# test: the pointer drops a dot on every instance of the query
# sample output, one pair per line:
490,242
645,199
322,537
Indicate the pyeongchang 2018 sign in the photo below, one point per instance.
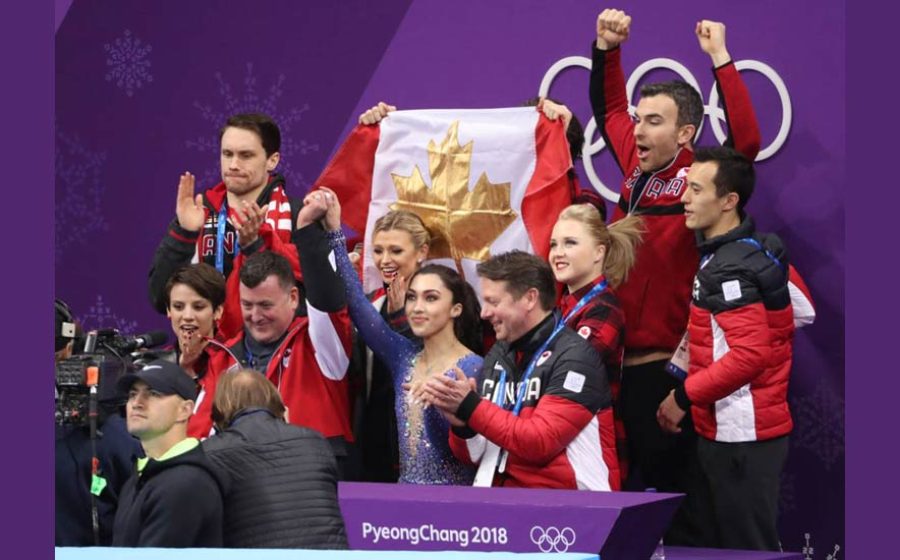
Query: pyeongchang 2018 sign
544,538
711,107
465,518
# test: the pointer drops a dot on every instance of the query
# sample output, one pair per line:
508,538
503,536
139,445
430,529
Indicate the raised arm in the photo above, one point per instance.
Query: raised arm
329,326
387,345
743,128
180,243
609,101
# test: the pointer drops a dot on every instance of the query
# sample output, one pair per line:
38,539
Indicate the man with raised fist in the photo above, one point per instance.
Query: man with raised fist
653,150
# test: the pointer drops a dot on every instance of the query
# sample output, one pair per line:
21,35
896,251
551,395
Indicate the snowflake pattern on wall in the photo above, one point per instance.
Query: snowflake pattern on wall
251,101
129,67
787,494
101,316
79,192
819,424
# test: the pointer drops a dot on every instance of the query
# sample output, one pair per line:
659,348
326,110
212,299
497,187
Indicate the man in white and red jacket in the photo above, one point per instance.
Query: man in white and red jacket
304,354
551,430
741,333
653,150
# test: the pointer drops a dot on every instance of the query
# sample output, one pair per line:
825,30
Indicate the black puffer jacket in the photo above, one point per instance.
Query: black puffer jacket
173,503
283,491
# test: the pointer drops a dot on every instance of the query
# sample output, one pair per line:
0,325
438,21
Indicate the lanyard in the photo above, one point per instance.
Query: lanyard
250,359
758,245
749,241
220,238
520,394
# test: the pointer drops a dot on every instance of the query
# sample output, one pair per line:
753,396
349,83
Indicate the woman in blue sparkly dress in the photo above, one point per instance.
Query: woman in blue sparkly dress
443,312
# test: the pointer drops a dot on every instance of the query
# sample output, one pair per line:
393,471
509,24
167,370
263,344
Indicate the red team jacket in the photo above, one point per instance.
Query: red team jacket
309,367
741,338
557,441
602,323
657,294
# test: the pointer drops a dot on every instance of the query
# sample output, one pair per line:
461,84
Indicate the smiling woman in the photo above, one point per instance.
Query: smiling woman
592,259
194,299
443,311
400,244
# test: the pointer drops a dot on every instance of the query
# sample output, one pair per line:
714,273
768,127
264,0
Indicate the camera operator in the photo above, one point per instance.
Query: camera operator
86,504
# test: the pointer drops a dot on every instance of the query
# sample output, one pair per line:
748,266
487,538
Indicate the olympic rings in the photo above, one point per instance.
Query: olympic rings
711,109
552,539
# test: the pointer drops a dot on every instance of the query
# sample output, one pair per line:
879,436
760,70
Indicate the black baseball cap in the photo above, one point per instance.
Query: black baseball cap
162,376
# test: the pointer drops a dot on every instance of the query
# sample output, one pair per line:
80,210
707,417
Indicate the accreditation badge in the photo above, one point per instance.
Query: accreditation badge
678,365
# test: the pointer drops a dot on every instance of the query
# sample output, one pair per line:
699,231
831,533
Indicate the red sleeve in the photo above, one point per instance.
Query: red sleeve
803,306
330,333
538,438
743,128
609,103
287,249
746,332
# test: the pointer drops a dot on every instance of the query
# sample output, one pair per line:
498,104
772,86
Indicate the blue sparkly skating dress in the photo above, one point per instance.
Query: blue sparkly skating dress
425,456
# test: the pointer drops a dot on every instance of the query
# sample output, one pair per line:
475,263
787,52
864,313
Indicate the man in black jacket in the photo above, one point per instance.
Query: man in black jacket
284,491
533,420
175,497
248,211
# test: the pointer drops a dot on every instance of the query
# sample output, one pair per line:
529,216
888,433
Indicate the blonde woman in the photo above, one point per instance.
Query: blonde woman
592,260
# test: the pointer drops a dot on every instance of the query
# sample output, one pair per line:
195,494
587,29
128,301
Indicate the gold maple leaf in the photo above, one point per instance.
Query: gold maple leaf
463,223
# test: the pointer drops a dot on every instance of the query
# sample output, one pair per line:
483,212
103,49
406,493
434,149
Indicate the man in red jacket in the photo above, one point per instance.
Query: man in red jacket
653,151
741,335
538,415
303,353
247,212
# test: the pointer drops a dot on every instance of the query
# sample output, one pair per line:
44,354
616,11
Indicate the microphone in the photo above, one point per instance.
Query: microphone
147,340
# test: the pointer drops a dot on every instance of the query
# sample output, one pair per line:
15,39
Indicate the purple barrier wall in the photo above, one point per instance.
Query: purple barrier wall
142,87
618,525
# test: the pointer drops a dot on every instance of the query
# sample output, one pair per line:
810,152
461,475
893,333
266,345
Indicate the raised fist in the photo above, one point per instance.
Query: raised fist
711,35
612,28
554,111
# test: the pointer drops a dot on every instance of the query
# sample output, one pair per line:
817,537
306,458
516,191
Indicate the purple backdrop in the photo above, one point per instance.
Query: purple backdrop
141,89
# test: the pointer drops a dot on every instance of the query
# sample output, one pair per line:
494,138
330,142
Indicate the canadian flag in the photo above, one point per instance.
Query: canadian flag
484,181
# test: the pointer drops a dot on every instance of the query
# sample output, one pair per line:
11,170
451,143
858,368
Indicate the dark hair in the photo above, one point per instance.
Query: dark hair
734,172
521,271
574,132
686,98
261,124
466,327
203,279
262,264
243,389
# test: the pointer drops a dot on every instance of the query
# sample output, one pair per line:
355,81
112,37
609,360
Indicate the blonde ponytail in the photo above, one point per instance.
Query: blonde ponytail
624,238
620,239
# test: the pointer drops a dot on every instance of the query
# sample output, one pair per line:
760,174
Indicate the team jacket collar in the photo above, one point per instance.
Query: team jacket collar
216,195
570,300
746,229
235,346
529,342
